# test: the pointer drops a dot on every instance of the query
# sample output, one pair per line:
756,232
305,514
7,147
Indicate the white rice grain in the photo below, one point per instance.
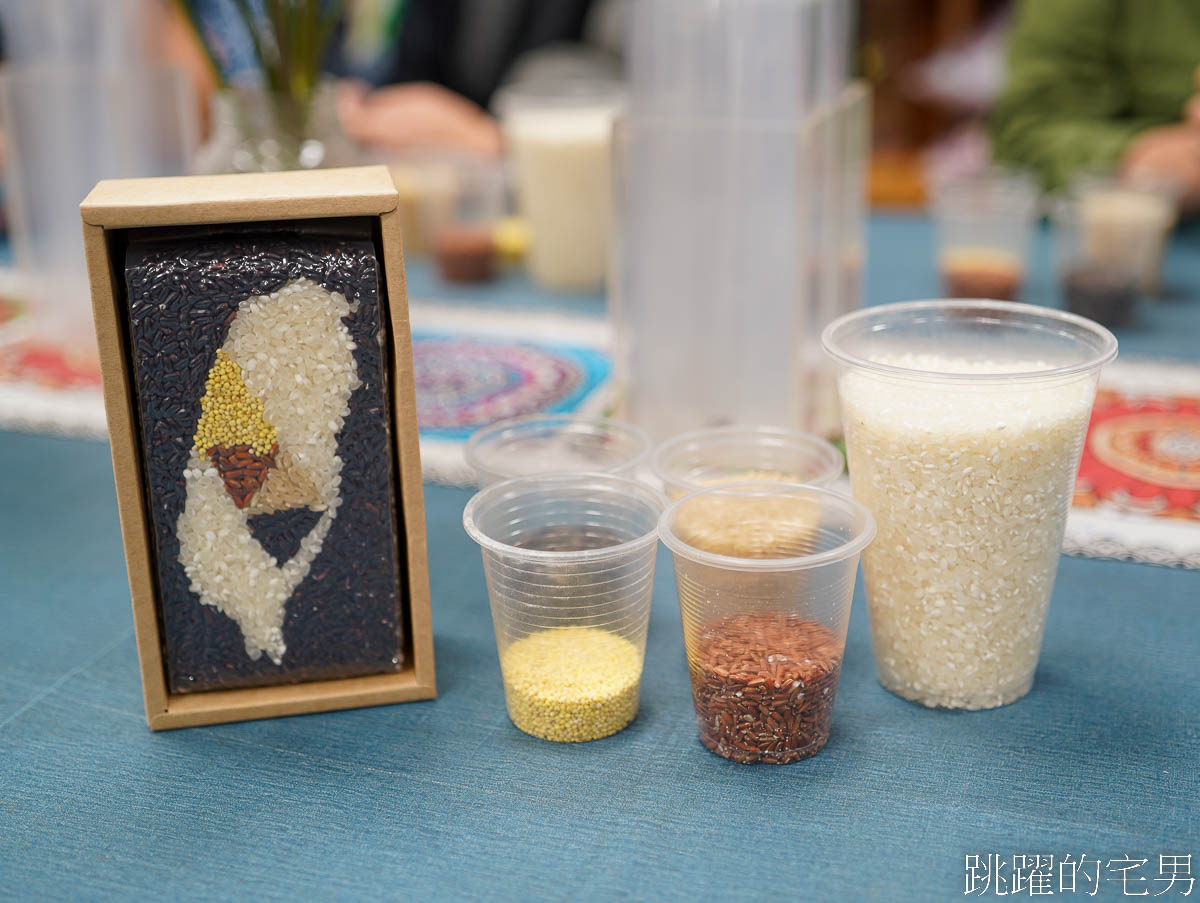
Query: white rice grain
293,346
970,486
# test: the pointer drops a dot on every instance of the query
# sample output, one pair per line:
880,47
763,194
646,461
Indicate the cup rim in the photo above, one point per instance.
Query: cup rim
1107,342
847,549
622,486
500,427
834,463
589,94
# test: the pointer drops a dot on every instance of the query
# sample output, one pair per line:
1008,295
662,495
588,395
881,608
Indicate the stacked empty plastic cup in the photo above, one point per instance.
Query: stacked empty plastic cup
556,443
728,454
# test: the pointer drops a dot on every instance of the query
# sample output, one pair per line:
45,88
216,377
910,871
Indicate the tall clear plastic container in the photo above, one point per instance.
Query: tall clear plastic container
99,34
569,560
83,97
837,151
765,573
965,421
729,197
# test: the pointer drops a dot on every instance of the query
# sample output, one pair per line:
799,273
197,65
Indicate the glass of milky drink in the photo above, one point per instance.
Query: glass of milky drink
984,233
559,138
964,425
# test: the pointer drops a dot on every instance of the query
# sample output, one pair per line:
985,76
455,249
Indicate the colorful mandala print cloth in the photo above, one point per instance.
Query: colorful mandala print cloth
1138,491
464,383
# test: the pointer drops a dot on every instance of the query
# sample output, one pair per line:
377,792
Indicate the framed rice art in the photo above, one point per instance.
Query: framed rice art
258,383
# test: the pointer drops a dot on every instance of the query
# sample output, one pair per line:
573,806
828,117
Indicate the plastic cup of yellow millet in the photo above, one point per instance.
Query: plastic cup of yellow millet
569,560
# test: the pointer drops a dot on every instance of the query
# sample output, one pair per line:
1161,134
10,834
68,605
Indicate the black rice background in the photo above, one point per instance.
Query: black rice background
344,619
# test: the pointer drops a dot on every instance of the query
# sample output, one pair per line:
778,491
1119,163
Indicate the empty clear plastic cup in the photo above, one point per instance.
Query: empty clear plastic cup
985,230
569,560
765,573
964,421
556,443
728,454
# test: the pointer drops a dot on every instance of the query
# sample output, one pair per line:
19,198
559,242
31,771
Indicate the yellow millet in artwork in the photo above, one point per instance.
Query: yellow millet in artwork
571,684
229,414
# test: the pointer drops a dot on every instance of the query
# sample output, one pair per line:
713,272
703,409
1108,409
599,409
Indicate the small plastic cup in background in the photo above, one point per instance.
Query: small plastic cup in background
965,421
559,136
569,560
464,243
1101,261
428,185
710,457
985,230
556,443
765,573
1125,224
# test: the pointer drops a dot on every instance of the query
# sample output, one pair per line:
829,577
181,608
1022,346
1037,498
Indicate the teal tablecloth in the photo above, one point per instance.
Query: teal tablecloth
446,800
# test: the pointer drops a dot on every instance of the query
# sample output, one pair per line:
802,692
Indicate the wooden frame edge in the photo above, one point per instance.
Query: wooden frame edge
404,414
252,703
126,458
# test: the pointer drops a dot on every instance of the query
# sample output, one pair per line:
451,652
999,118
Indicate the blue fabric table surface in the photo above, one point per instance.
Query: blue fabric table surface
511,289
446,800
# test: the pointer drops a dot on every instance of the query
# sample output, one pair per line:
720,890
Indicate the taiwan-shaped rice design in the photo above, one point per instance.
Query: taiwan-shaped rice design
261,381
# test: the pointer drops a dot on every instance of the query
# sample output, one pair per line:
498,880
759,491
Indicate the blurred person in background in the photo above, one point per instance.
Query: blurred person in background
421,73
1104,85
450,57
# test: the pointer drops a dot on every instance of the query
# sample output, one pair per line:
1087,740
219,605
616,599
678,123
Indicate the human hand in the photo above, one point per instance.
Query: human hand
421,114
1168,154
1191,109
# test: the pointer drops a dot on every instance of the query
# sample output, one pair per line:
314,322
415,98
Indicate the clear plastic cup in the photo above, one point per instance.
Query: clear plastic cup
765,573
727,454
1102,261
559,136
985,231
965,421
569,560
1126,223
429,187
555,443
464,244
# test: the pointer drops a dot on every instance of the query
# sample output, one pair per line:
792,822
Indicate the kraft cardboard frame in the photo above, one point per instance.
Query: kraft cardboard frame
140,203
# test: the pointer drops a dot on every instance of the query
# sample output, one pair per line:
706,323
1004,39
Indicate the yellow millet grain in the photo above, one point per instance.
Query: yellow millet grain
571,684
229,414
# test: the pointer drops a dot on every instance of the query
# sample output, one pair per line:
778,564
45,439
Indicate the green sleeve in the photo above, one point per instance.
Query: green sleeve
1065,106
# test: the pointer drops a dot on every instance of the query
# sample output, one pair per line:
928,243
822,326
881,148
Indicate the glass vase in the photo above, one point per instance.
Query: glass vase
258,130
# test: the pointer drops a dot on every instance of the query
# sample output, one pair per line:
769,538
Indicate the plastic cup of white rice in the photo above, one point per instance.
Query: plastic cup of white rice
964,425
